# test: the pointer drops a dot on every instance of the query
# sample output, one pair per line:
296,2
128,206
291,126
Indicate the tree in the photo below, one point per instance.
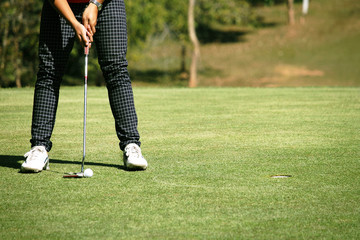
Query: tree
305,9
196,45
147,20
18,36
224,12
291,12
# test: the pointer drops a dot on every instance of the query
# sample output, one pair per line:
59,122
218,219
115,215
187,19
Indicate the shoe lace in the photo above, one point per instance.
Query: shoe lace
133,150
34,153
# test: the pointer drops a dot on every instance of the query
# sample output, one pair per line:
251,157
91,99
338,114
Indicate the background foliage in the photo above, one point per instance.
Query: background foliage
243,43
148,21
20,21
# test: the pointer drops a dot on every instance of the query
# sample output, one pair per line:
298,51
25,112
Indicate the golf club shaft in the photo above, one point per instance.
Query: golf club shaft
86,51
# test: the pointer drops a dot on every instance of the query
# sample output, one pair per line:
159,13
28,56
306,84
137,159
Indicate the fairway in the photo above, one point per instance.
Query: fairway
211,152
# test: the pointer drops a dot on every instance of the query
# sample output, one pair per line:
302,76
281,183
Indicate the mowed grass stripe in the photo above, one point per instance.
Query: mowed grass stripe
211,152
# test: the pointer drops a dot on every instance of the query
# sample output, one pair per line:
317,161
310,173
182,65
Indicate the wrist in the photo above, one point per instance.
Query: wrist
93,7
75,23
78,27
96,3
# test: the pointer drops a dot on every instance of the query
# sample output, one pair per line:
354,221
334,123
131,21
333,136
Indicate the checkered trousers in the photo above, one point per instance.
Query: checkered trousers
55,44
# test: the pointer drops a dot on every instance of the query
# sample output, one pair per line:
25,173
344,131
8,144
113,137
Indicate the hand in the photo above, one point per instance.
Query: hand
89,18
84,36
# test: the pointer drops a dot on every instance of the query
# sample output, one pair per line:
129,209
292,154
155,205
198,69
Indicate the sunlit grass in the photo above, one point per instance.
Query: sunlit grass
211,153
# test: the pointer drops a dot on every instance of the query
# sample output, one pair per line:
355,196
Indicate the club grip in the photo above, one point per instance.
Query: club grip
86,50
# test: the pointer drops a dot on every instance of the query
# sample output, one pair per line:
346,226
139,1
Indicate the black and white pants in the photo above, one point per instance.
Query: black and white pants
55,44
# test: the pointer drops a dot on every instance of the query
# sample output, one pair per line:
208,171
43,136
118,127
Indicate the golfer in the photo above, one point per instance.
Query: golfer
104,22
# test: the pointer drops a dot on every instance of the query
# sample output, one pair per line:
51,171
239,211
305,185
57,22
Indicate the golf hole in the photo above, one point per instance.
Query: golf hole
280,176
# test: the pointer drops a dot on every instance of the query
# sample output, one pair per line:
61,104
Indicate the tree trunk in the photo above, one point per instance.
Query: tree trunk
305,10
291,13
17,60
183,59
17,64
196,45
305,7
3,49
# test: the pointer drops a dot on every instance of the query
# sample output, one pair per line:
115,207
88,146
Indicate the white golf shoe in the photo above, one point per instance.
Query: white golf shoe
37,159
133,159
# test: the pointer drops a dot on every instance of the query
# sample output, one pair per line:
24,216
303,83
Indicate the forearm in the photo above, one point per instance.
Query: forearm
64,9
62,6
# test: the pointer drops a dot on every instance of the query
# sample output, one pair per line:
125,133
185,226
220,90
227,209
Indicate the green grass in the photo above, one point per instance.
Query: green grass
211,153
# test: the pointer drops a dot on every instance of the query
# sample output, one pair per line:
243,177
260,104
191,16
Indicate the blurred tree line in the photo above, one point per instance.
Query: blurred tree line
147,20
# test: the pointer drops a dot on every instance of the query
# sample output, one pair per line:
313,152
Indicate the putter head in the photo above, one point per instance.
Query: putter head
74,175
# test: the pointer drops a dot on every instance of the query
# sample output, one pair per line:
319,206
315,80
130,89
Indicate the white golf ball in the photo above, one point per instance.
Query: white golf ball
88,172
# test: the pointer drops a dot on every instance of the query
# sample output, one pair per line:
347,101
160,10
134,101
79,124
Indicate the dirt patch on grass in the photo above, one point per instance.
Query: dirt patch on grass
296,71
290,75
281,75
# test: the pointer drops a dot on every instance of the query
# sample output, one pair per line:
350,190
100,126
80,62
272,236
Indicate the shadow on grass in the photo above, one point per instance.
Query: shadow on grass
261,22
211,35
16,161
208,34
158,77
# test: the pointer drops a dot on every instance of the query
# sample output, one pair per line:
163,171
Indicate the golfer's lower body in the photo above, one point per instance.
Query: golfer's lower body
55,44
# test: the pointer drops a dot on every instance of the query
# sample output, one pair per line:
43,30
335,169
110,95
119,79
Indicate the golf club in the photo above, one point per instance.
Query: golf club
81,174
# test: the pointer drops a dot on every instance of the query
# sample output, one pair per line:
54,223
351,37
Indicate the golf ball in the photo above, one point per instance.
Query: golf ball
88,172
